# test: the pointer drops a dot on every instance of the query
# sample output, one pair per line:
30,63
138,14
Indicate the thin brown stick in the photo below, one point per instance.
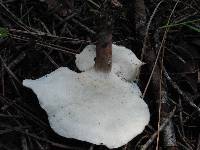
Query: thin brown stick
184,96
2,79
10,116
51,59
160,101
9,71
40,33
11,65
84,26
47,45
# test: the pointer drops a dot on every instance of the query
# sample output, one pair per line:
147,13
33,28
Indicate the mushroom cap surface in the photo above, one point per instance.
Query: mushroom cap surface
91,106
125,64
94,107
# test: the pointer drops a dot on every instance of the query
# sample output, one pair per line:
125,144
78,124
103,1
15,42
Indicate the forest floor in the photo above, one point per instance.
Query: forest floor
37,37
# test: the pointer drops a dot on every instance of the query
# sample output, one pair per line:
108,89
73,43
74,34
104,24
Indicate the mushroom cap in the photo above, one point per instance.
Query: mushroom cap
94,107
124,62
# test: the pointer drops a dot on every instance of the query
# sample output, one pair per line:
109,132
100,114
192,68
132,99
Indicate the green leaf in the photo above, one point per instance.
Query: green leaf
193,28
180,24
3,32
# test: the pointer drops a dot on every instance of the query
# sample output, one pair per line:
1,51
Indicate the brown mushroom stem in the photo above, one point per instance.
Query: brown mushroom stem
103,62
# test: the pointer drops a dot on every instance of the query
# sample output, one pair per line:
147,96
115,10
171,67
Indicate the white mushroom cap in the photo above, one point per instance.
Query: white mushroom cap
89,106
124,62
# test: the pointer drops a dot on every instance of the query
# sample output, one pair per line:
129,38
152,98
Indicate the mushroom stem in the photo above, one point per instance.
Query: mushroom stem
103,62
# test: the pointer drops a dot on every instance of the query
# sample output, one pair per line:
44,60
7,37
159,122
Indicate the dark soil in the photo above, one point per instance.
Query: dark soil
44,36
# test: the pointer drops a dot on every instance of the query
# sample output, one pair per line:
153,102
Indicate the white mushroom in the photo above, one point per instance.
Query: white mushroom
93,106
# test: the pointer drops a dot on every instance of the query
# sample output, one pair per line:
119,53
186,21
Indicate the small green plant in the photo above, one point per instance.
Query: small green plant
189,24
3,32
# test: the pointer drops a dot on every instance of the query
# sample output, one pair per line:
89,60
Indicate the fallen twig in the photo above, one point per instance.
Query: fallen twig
48,45
9,71
83,26
175,86
44,35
